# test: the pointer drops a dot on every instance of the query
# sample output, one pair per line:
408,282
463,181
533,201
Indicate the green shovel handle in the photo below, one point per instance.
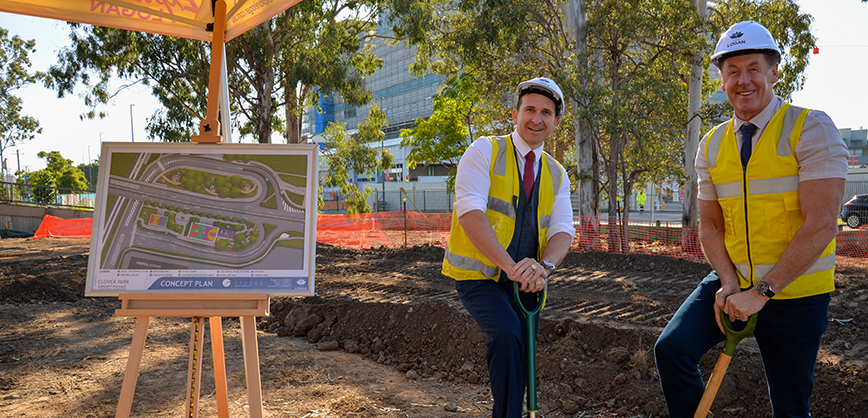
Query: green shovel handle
540,301
734,337
530,338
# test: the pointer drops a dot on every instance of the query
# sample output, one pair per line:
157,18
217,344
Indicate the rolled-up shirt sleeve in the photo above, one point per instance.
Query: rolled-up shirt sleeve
822,152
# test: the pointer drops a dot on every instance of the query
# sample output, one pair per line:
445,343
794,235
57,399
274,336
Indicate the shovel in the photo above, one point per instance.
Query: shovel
530,338
733,337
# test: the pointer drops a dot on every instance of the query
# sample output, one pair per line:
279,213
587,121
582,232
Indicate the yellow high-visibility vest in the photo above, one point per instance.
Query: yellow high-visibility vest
760,203
462,260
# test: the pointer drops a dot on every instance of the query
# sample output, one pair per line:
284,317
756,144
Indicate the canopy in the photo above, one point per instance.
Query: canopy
184,18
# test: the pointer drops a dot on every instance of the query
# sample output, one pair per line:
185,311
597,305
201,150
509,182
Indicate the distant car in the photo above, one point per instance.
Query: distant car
855,212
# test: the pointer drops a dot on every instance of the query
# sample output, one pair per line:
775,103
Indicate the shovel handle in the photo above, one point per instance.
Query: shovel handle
733,337
530,339
712,386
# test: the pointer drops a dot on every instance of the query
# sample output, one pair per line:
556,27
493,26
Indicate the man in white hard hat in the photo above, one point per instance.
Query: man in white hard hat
512,221
771,180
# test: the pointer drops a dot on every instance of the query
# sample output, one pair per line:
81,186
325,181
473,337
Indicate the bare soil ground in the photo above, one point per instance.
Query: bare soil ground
386,336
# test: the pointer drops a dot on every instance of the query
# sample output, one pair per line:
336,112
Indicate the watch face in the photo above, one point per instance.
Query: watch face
548,264
764,289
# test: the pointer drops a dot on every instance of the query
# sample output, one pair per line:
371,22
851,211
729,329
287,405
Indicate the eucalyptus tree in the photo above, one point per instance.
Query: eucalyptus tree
272,67
348,156
639,57
15,74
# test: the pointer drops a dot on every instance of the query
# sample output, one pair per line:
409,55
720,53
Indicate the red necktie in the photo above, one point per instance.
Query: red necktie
528,173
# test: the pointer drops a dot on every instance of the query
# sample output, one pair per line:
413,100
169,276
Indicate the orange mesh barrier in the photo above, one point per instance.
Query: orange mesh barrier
852,247
592,233
390,229
399,228
639,237
53,226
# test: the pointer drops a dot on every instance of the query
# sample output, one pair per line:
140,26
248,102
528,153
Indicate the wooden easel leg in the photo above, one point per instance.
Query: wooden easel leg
251,365
219,367
194,368
137,348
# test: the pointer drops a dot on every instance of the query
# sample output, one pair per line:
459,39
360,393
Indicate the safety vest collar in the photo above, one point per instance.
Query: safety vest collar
784,144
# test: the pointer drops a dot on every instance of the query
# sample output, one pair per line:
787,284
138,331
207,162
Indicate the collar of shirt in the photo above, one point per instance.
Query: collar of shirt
760,121
522,148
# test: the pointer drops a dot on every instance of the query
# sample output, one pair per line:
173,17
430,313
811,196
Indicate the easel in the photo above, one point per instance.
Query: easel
197,306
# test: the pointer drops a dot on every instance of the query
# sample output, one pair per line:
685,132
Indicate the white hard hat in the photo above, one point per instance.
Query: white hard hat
542,85
745,37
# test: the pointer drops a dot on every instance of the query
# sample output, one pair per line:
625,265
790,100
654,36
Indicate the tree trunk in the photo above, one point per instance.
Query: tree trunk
616,149
586,164
689,214
265,105
293,121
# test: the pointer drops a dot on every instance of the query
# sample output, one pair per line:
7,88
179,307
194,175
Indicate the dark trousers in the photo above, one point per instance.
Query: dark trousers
788,333
491,304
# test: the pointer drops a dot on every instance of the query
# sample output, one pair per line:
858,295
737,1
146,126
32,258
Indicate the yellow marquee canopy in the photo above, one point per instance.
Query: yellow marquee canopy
184,18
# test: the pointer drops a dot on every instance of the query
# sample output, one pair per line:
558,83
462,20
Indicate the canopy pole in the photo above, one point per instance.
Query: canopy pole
209,128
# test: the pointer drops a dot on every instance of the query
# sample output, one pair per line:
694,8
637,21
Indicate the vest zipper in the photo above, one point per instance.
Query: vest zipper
746,223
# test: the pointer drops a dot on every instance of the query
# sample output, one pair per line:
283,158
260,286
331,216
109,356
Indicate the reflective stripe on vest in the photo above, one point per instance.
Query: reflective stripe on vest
760,270
760,228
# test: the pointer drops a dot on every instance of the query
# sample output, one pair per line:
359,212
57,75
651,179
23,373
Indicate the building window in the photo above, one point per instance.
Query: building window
350,113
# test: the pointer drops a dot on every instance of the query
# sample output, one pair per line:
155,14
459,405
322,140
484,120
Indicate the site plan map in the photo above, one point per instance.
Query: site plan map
230,218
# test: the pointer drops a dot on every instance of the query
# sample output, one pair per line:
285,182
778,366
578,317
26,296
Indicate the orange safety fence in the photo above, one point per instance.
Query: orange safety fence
53,226
592,233
390,229
408,228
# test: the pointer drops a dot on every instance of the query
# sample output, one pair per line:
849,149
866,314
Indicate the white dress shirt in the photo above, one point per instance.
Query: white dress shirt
472,183
821,151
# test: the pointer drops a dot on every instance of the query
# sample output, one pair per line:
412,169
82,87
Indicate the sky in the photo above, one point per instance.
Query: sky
837,83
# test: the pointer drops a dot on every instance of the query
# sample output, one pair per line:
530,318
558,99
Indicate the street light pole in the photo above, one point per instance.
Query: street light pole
132,133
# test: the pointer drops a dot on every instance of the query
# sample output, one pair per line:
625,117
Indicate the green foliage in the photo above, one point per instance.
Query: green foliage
639,55
789,26
91,173
445,135
221,244
355,154
357,200
65,174
45,195
346,154
15,74
272,66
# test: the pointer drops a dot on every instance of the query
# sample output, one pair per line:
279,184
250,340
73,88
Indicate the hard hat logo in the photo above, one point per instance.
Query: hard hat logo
736,35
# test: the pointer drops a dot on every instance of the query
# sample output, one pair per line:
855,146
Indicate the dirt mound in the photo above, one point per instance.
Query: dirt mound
392,308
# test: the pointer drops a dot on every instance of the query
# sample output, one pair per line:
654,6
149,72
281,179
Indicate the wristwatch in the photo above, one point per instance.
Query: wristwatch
548,265
765,289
